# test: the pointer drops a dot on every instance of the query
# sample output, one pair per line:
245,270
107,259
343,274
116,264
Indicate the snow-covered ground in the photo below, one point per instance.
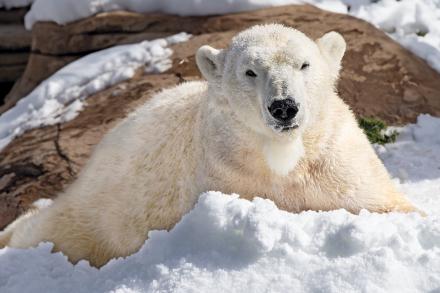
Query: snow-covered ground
413,23
227,244
61,97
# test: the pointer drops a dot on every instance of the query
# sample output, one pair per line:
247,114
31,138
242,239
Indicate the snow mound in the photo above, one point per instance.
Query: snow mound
60,98
227,244
415,24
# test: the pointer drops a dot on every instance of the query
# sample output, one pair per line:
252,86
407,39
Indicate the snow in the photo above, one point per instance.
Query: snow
8,4
227,244
65,11
413,23
62,96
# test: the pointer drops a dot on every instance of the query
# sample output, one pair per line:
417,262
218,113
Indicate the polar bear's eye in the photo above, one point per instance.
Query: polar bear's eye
305,65
250,73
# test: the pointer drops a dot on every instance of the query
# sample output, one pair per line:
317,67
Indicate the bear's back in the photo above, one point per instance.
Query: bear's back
148,148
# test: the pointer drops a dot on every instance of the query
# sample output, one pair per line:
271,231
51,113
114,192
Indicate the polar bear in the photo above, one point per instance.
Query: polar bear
267,122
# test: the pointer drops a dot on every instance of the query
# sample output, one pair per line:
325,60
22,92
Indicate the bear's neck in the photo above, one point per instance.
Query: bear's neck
282,157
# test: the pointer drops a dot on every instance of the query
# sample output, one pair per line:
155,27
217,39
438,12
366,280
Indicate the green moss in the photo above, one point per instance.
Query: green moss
375,130
421,33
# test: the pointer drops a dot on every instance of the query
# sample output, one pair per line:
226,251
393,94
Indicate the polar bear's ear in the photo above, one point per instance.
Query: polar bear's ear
210,62
332,46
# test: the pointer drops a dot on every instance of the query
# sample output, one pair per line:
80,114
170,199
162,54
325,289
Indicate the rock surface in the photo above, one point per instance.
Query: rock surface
379,78
14,15
14,37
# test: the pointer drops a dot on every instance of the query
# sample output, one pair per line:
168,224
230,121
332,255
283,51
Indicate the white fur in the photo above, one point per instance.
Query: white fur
42,203
218,135
283,157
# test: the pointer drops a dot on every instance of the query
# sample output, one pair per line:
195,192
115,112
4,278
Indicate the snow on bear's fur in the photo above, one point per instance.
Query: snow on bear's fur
267,123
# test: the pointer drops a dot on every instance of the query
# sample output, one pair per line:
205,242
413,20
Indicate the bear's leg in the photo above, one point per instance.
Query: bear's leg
68,234
396,202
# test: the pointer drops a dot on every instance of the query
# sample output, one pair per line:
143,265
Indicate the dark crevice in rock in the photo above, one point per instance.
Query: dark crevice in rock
61,153
23,170
180,77
15,50
76,54
11,176
118,32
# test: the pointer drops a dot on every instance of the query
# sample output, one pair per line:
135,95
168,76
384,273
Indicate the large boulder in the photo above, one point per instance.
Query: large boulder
379,78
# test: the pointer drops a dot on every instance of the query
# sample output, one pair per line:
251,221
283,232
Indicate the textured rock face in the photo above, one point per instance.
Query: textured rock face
379,78
14,37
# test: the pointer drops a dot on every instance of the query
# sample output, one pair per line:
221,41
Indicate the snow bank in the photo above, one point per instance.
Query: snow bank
64,11
61,97
416,154
413,23
8,4
226,244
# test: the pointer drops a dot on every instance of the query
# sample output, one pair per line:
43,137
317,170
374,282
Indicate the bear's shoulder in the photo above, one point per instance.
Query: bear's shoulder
182,95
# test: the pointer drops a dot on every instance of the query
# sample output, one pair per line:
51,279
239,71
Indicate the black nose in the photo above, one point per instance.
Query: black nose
284,110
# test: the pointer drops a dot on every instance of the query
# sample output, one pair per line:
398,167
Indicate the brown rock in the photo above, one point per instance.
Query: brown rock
62,40
11,72
14,37
105,30
14,15
14,46
8,58
411,95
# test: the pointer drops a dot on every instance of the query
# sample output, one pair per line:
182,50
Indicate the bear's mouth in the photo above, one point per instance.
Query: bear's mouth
286,128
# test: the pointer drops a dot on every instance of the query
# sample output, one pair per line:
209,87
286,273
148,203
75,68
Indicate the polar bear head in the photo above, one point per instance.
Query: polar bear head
274,78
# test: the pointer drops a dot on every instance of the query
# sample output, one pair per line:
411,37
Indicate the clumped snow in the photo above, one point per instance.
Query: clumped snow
413,23
61,97
227,244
